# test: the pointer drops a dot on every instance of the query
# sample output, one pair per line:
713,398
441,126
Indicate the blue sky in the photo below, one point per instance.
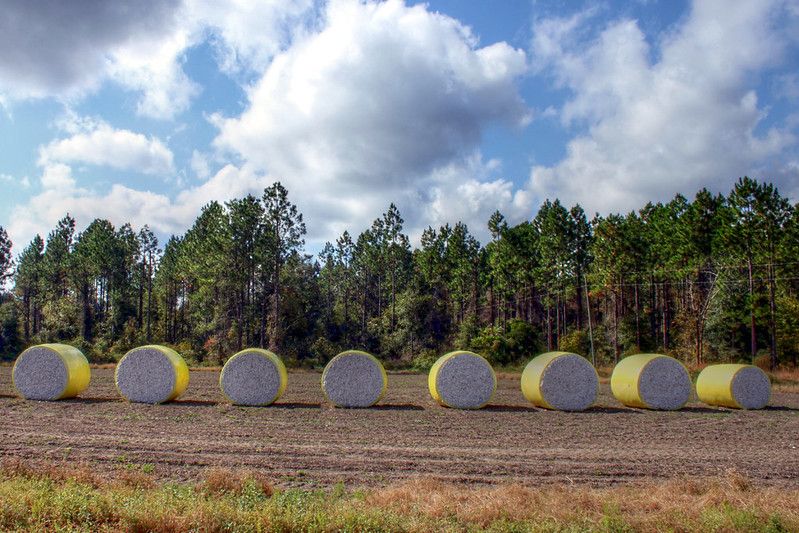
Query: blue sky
143,112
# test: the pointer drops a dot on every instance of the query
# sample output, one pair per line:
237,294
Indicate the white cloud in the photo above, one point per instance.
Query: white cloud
654,128
155,69
100,144
199,164
466,192
381,103
247,35
121,204
51,47
68,49
365,111
57,178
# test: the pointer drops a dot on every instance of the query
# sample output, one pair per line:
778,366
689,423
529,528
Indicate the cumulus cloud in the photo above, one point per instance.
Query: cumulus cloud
368,109
52,46
247,35
468,191
120,204
200,165
687,119
67,49
103,145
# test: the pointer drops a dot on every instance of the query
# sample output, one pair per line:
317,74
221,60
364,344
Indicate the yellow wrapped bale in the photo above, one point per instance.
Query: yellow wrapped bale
253,377
354,379
736,386
51,372
152,374
462,380
651,381
560,380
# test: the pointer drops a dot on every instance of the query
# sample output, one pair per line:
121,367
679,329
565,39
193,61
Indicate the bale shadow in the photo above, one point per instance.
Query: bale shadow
700,410
95,400
295,405
194,403
397,407
379,407
499,408
603,409
779,408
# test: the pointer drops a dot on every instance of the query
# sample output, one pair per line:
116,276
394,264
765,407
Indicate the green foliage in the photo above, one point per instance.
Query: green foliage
424,361
9,329
323,351
708,279
576,341
520,343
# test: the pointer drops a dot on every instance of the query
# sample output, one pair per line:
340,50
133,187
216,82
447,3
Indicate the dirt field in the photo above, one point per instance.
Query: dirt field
302,442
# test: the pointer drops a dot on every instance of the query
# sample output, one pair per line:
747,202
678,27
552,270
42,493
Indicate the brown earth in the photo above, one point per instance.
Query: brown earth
301,441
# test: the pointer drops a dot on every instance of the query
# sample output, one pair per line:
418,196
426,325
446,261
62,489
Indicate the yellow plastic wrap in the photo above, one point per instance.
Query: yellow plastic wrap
625,380
714,385
76,364
432,378
532,378
284,377
362,353
178,364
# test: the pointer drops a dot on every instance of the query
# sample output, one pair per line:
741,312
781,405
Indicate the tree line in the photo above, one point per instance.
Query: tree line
707,279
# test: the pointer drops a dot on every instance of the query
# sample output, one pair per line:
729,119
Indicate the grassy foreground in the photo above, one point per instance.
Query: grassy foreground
57,498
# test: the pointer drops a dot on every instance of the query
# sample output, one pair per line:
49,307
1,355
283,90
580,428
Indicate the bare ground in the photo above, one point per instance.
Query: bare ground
301,441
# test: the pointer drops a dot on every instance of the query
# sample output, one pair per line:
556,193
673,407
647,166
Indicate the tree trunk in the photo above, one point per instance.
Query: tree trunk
653,303
752,328
87,313
616,347
637,319
549,325
772,304
666,315
579,293
26,305
394,299
557,322
149,302
274,340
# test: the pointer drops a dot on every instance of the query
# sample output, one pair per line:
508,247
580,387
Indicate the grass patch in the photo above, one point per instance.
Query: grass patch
38,497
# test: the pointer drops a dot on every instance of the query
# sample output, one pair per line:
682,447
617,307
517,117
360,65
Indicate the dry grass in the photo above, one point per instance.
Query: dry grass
785,379
729,503
59,472
218,481
35,497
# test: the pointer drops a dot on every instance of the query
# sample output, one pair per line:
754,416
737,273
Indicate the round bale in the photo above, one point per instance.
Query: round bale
253,377
651,381
354,379
51,372
151,374
560,380
462,380
736,386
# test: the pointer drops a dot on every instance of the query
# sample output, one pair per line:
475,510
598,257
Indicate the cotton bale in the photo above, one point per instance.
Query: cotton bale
736,386
253,377
560,380
51,372
651,381
462,380
354,379
151,374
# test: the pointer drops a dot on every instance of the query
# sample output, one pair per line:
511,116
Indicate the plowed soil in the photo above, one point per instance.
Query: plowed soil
301,441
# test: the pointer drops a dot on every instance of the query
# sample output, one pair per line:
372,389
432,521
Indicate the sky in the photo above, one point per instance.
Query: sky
145,111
